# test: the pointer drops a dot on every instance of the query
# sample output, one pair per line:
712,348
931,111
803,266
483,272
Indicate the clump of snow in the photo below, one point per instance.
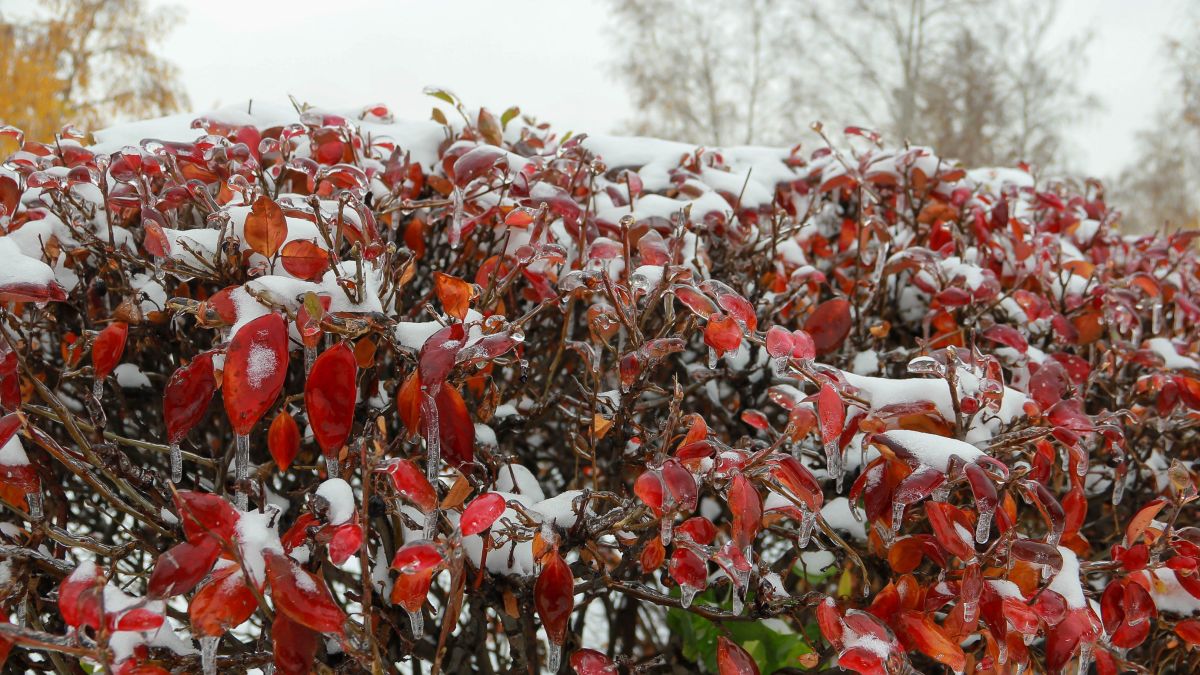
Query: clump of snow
1172,359
865,362
882,392
932,450
129,376
13,453
837,513
260,365
1169,595
340,498
257,534
559,509
518,479
1067,582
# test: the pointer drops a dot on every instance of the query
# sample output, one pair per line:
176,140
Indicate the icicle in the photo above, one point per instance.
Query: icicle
1156,318
1085,657
970,610
739,599
553,656
897,517
983,528
430,523
1066,459
779,366
1002,648
433,437
1118,488
34,500
269,669
667,533
176,463
332,466
21,612
808,522
833,462
686,595
1053,537
417,621
941,493
98,388
310,356
712,358
241,469
208,654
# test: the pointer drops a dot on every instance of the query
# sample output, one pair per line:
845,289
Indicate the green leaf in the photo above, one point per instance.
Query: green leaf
771,642
441,94
508,116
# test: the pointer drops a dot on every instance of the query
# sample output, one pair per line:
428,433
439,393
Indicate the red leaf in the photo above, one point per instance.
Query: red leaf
187,395
78,601
417,556
733,660
829,324
304,259
1189,630
481,513
345,541
283,440
330,394
222,603
723,333
831,412
108,348
266,228
1142,520
182,566
410,481
137,619
205,515
592,662
255,368
302,596
554,597
747,507
455,428
295,646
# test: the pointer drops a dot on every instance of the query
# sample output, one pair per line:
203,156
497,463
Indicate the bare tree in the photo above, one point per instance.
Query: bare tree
979,80
1161,187
707,72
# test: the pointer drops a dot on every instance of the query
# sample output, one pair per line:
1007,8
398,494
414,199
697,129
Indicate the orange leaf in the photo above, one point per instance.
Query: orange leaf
1142,520
283,440
920,631
266,227
454,293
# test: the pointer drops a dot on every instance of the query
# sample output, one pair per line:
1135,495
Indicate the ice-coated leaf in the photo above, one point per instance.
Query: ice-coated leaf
302,596
554,597
330,393
255,369
481,513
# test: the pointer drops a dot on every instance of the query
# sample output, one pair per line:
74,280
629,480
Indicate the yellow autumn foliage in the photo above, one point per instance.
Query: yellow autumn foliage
83,62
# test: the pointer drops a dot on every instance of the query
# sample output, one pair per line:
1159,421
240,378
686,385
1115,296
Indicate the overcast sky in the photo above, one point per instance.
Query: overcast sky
551,58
